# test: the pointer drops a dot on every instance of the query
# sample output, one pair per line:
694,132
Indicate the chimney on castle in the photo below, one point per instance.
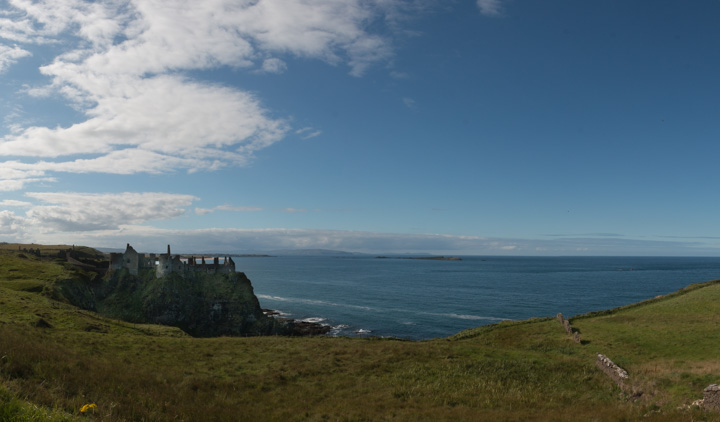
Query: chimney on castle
168,250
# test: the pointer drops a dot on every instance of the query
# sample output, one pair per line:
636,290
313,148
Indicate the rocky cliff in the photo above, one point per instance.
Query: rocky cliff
203,305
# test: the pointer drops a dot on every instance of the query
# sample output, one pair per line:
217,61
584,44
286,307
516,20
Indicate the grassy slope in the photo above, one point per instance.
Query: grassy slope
528,370
670,344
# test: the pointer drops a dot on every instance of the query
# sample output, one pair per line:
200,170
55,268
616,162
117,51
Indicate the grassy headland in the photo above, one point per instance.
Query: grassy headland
54,358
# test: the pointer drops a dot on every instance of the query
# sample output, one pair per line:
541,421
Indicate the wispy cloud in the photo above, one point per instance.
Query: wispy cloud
8,185
312,134
489,7
274,65
109,220
308,132
584,235
409,103
399,75
10,55
232,208
128,74
72,212
14,203
235,240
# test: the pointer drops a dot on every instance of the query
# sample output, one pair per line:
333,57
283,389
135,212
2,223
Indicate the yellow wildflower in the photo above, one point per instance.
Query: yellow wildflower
88,407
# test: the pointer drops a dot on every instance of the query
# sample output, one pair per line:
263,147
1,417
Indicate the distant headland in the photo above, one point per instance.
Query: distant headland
430,258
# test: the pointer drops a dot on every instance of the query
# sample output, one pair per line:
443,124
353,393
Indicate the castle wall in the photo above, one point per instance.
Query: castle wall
168,264
116,261
164,266
130,258
178,266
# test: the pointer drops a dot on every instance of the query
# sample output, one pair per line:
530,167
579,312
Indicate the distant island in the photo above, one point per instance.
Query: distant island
431,258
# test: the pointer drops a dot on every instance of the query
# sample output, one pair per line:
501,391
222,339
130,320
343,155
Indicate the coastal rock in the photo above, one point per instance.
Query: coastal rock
299,328
203,305
304,328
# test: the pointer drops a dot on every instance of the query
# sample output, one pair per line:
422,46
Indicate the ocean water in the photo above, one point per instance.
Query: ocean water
422,299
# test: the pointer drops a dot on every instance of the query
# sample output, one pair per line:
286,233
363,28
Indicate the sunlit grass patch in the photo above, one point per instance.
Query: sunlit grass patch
16,410
668,345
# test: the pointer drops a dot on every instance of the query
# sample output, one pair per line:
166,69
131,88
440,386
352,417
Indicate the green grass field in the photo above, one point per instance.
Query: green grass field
55,358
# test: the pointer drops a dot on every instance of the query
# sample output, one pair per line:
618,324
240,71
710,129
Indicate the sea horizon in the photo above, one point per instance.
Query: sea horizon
422,299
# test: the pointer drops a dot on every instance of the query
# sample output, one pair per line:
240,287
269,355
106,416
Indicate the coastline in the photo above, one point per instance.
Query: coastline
297,327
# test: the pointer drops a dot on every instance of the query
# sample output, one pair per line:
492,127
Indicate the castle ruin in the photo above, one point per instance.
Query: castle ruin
165,264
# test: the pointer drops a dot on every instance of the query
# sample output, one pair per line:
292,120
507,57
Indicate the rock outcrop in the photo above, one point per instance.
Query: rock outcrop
711,398
204,299
203,305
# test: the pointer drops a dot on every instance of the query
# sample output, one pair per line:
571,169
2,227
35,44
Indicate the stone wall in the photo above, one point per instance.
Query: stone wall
711,398
167,263
128,259
616,373
568,328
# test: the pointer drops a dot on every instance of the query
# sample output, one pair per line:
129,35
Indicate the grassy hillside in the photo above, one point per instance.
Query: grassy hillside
54,358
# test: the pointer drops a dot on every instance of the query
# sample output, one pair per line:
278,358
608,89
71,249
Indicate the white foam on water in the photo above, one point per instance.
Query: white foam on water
314,302
314,320
470,317
337,330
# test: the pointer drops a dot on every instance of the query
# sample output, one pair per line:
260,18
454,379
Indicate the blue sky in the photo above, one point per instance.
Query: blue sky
450,127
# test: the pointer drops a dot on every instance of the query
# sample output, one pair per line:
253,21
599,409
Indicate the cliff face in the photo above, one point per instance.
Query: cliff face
203,305
207,305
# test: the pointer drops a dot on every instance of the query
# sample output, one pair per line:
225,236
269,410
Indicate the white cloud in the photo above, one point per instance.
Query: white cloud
312,135
409,103
274,65
7,185
226,207
308,132
71,212
125,73
165,114
231,240
237,208
11,225
10,55
14,203
489,7
294,210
